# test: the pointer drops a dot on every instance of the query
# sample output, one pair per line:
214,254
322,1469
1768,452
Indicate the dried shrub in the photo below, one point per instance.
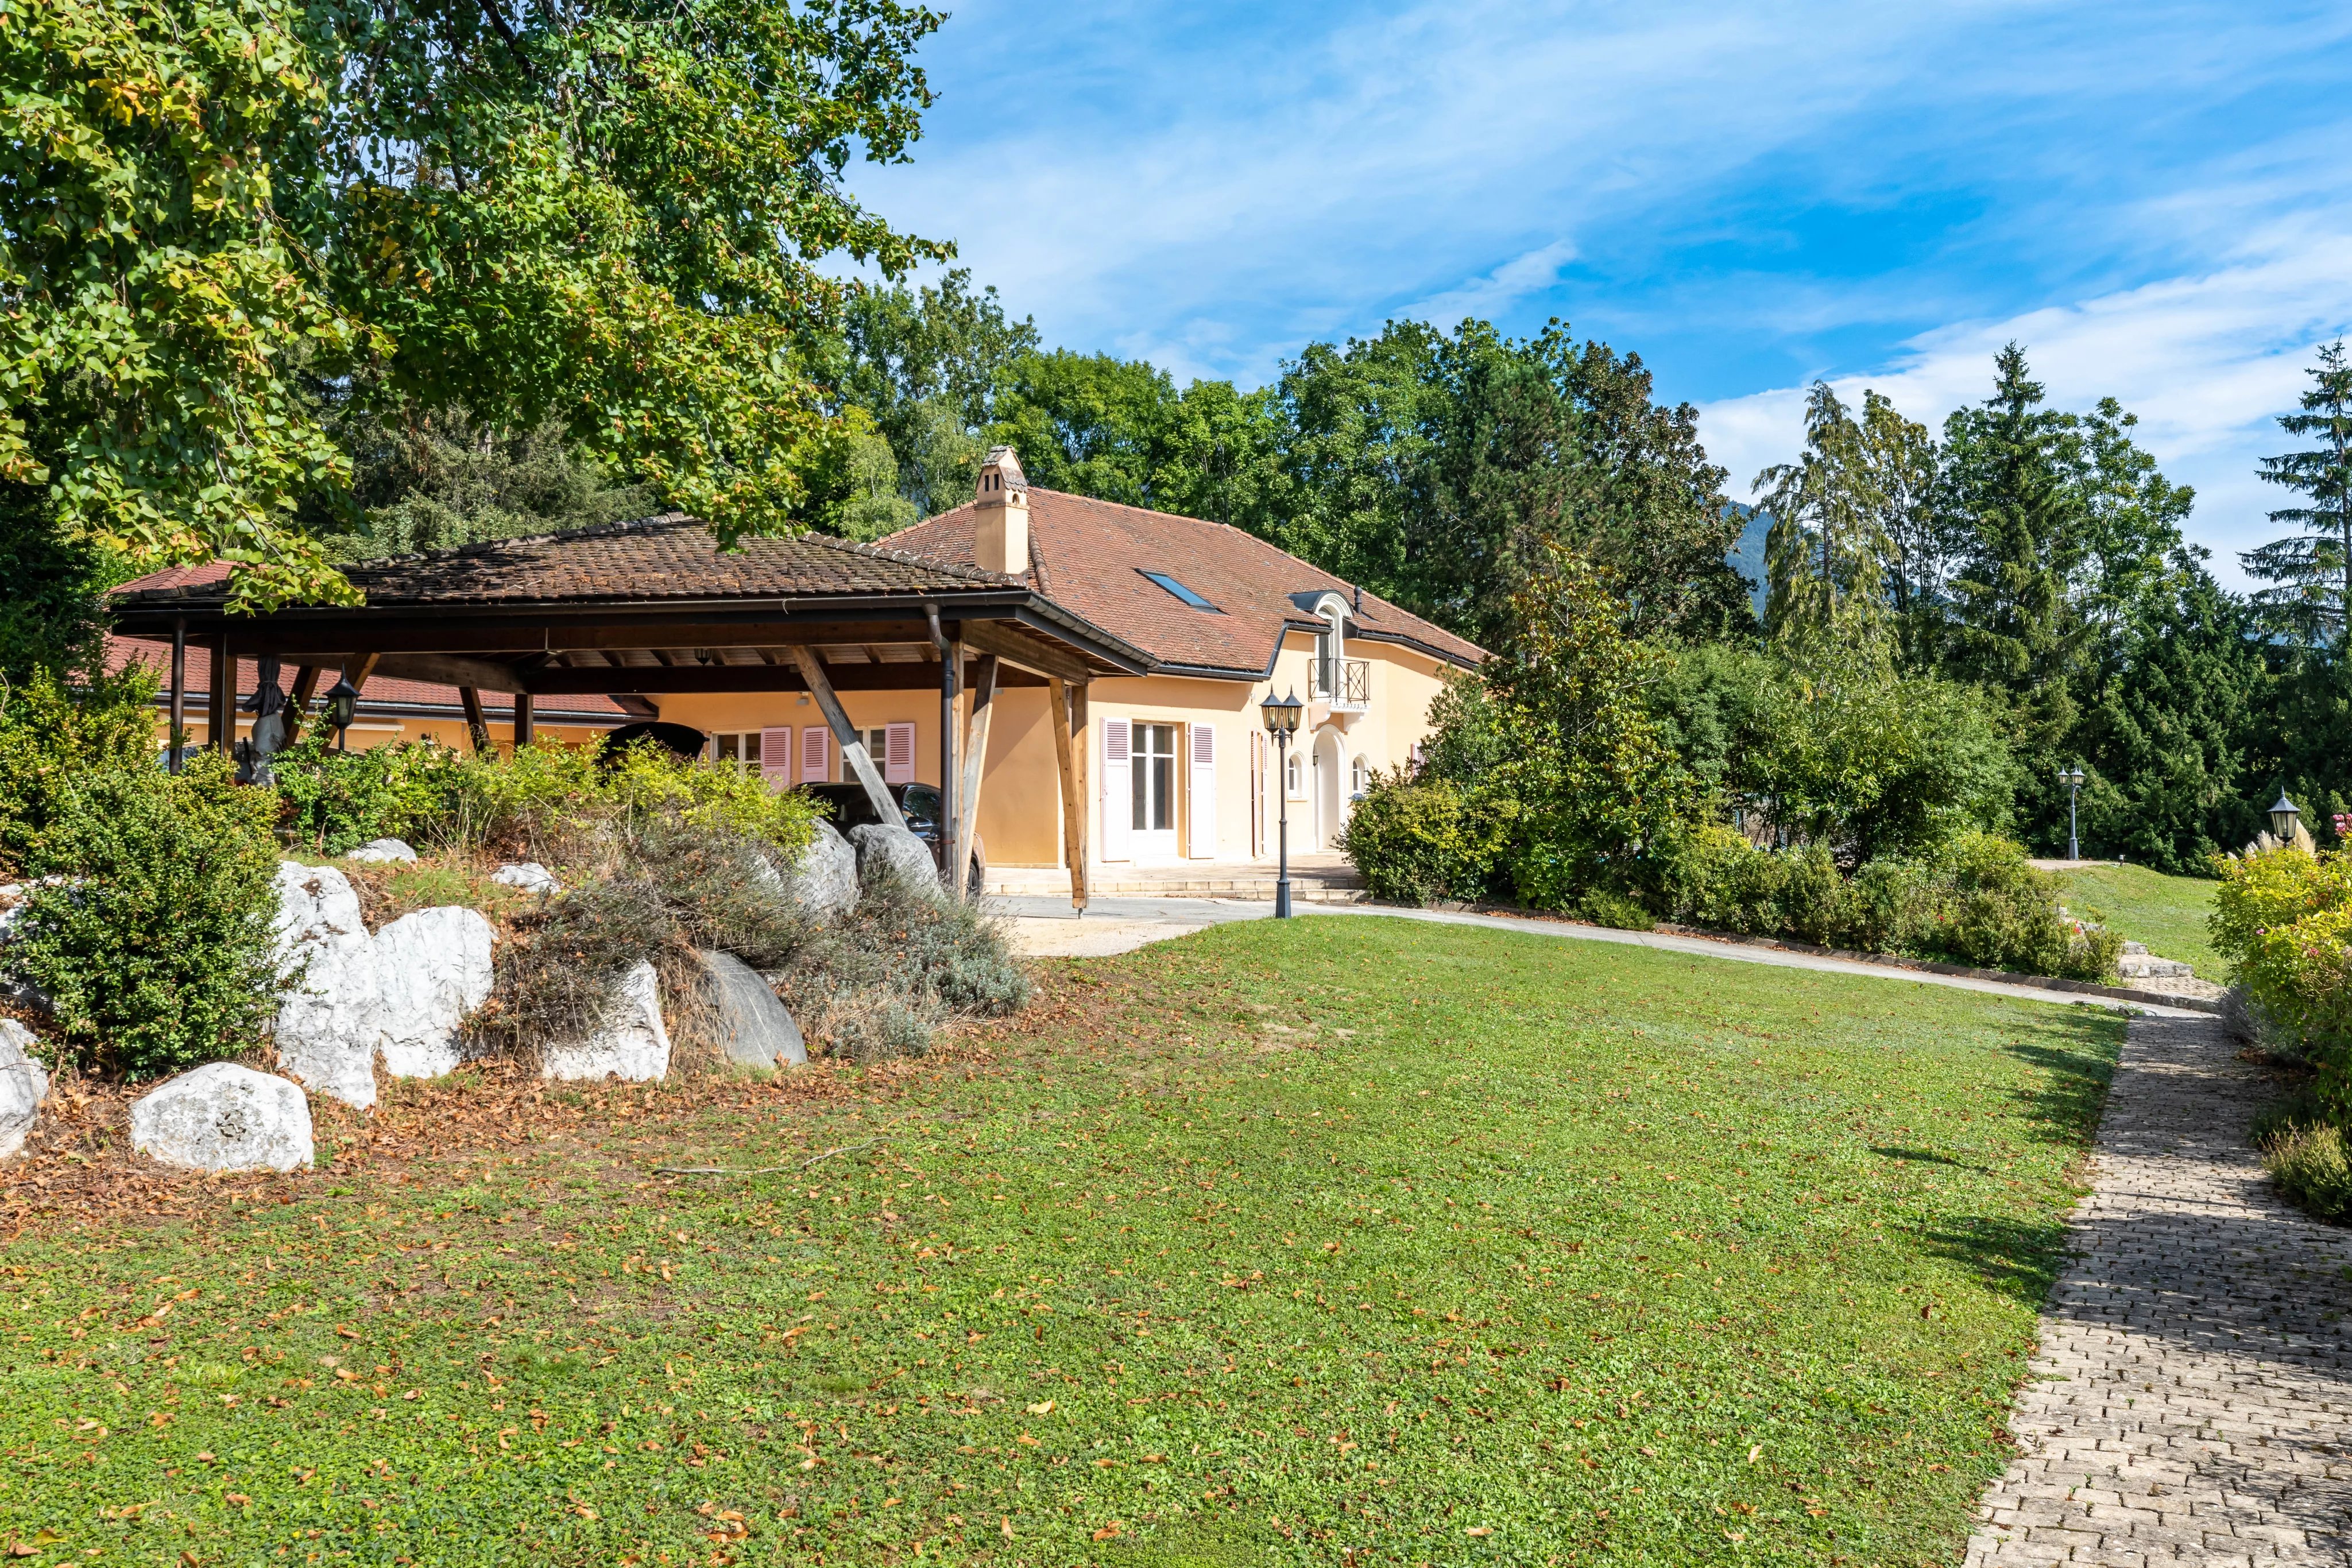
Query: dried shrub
880,981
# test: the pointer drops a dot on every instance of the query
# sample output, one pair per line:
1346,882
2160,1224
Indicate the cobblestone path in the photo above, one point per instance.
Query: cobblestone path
2193,1399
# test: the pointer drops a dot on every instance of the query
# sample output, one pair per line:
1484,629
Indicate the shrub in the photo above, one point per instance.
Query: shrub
1999,913
153,946
334,801
1417,841
2284,916
899,954
50,737
1713,877
1616,911
2304,1148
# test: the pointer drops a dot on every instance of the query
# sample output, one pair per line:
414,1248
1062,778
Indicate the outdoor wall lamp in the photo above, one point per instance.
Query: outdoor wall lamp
2072,779
2284,816
1282,723
342,707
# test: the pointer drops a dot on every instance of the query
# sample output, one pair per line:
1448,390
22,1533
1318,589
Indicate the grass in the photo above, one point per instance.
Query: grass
1331,1242
2167,913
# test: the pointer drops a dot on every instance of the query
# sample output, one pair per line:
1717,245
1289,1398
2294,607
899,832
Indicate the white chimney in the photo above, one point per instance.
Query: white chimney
1000,529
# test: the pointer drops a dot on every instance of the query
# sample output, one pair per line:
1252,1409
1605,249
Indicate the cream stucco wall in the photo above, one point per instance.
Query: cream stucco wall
367,732
1020,809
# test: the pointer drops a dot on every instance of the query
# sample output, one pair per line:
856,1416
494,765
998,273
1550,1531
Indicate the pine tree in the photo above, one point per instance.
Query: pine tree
2314,566
1825,555
2008,486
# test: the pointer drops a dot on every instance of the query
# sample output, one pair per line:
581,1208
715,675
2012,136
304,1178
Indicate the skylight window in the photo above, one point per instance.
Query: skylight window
1182,592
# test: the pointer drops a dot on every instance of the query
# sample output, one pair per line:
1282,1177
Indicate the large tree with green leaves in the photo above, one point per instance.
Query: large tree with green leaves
607,215
2313,565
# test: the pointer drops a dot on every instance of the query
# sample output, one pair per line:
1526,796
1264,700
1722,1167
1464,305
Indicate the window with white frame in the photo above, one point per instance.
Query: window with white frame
737,751
1359,777
1294,775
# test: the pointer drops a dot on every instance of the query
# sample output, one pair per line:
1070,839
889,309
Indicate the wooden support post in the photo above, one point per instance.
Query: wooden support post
177,736
852,744
523,732
220,710
975,766
477,728
298,701
1069,706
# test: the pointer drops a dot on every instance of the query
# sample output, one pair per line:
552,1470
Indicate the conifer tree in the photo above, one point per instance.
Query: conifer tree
2313,566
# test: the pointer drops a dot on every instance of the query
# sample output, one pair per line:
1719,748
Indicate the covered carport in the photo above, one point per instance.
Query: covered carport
635,610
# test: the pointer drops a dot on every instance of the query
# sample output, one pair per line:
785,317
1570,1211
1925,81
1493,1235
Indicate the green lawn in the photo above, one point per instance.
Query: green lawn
1339,1241
2167,913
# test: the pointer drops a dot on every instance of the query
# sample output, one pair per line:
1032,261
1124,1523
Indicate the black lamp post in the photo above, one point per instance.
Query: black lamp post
2284,816
1282,723
342,707
2073,779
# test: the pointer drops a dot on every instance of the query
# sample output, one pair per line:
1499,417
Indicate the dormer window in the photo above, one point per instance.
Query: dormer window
1162,579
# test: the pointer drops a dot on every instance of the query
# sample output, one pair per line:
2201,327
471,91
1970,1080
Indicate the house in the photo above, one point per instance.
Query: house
1081,679
1184,764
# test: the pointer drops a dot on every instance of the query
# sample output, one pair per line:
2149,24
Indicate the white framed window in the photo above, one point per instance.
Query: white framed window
738,751
1359,777
1294,775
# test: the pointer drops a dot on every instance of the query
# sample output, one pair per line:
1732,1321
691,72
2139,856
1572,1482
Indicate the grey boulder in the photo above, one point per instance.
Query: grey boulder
529,875
633,1048
24,1084
432,969
328,1021
377,852
752,1026
885,852
224,1117
827,877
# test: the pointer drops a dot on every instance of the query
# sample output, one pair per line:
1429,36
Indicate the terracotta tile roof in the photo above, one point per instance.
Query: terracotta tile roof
382,692
668,556
1090,556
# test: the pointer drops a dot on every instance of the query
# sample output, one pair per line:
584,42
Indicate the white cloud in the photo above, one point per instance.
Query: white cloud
2206,361
1498,291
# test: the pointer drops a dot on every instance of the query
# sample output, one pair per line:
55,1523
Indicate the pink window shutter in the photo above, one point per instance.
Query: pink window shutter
816,755
776,756
898,753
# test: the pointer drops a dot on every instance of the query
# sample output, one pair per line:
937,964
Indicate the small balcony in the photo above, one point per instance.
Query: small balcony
1345,683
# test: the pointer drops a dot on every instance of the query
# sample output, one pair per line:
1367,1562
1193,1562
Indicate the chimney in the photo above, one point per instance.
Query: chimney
1001,529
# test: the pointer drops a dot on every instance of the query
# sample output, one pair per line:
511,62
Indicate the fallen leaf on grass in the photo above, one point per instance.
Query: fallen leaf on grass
1478,1530
1107,1530
1045,1407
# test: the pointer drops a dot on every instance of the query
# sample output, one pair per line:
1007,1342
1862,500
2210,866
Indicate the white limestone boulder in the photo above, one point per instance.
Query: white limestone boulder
24,1084
382,852
884,851
752,1026
329,1021
224,1117
432,969
827,877
635,1046
529,875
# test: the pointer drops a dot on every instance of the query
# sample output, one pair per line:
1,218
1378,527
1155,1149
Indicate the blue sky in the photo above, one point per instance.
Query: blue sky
2154,199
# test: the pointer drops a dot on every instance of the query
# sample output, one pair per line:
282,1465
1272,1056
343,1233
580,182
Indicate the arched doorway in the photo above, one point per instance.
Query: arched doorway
1331,789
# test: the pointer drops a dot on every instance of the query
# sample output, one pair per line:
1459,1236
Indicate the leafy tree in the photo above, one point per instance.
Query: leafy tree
50,616
927,364
599,215
2313,566
1438,470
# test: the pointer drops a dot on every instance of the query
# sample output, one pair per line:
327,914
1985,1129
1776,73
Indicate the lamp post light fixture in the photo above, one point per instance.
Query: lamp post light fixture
1282,723
2072,779
2284,816
342,707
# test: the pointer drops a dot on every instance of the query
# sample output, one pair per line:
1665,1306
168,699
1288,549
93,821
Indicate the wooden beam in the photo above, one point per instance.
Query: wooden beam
1069,756
298,701
453,670
1029,652
523,732
844,734
975,765
360,668
177,738
477,727
220,708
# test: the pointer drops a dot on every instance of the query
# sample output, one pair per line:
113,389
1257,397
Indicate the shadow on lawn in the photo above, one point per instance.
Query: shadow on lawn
2018,1258
2075,1066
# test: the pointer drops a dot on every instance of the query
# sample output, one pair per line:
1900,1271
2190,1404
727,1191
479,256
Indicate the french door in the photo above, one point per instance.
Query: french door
1153,792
